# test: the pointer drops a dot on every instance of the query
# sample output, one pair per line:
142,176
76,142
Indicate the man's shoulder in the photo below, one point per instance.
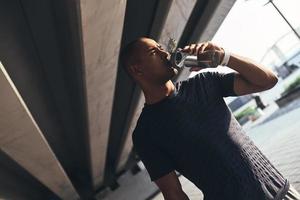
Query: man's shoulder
205,75
201,76
140,127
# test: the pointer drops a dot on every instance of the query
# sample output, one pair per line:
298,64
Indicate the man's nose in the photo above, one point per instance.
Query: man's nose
164,53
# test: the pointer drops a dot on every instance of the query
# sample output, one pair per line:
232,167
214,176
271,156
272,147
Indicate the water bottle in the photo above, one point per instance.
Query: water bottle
181,59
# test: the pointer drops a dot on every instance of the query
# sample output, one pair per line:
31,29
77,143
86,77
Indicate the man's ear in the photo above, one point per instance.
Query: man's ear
135,70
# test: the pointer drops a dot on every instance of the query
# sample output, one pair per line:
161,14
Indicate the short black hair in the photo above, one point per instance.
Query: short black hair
127,53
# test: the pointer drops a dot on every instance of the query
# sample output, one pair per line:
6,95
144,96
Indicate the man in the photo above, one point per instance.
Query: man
187,126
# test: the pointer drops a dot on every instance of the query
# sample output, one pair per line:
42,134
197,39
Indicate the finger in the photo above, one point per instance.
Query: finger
197,48
185,49
203,47
212,46
192,49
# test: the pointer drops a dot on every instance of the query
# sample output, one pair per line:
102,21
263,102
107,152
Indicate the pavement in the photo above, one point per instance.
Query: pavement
277,135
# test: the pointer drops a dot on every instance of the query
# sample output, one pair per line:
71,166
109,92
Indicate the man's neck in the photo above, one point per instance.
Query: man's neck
158,92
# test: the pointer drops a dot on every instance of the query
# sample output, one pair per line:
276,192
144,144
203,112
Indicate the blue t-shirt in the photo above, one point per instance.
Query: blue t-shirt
194,132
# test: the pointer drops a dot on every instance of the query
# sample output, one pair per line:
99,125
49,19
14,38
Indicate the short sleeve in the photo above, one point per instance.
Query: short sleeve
156,161
218,83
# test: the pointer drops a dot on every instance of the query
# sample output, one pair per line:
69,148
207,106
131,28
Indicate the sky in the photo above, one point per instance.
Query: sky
250,28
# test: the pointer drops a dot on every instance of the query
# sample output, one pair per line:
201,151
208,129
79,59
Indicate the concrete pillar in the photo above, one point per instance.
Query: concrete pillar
102,23
37,57
23,141
17,183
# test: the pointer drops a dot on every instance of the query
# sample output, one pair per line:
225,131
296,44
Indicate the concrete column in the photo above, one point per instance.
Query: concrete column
23,141
17,183
178,16
102,23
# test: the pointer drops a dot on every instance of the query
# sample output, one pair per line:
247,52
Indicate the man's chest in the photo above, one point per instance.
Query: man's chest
190,123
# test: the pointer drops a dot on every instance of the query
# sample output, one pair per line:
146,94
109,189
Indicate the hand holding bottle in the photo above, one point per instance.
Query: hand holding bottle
208,55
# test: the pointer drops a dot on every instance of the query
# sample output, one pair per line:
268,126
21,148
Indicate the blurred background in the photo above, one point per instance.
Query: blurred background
67,109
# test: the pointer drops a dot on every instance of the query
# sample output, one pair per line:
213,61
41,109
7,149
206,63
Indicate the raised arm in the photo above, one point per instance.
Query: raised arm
250,76
170,187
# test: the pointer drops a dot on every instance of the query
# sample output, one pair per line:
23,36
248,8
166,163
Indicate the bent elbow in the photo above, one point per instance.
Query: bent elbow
273,81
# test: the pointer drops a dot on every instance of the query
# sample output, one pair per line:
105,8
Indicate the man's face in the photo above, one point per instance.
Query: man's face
154,63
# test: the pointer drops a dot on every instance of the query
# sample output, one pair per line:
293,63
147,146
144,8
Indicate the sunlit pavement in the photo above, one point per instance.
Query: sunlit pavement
278,139
266,113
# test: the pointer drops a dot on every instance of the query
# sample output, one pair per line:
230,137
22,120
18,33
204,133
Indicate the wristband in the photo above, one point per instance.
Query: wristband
225,58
